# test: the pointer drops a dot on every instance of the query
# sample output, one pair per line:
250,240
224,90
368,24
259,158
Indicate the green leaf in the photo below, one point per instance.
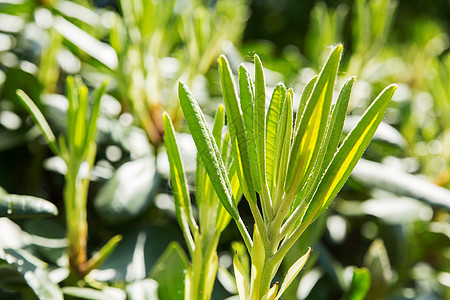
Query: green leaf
259,119
313,124
241,278
80,125
306,94
337,119
273,120
360,284
128,192
207,149
99,258
283,148
39,119
95,111
247,106
34,274
179,185
329,143
169,271
348,154
292,272
236,129
271,293
18,206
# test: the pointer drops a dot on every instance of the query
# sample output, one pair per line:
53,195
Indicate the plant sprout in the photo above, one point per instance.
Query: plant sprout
77,148
290,166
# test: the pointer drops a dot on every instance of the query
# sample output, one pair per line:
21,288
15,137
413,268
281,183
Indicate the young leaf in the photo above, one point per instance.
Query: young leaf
99,258
39,119
95,111
360,284
272,122
241,278
313,124
348,154
337,120
283,148
207,149
179,185
292,273
272,293
247,106
236,129
259,119
307,90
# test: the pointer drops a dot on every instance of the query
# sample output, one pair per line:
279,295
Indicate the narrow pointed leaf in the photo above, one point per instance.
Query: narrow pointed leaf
292,273
283,147
259,119
95,111
307,90
247,106
313,124
99,258
241,278
207,149
236,128
81,120
272,122
329,144
337,120
271,293
39,119
179,185
348,154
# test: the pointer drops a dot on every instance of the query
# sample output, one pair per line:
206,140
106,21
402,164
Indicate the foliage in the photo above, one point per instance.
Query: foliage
297,170
385,235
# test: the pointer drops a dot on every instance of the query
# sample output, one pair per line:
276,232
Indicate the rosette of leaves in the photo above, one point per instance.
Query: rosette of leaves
290,166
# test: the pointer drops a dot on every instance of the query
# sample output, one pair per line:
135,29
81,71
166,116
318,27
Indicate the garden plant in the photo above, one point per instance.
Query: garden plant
146,153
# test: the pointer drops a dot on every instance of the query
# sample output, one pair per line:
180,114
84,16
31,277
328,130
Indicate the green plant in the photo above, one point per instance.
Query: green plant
77,148
201,238
159,42
293,168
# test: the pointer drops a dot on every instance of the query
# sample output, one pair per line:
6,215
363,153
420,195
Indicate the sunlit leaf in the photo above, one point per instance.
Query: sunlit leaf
236,128
349,153
292,273
18,206
246,94
241,278
360,284
207,149
272,122
35,275
39,119
178,180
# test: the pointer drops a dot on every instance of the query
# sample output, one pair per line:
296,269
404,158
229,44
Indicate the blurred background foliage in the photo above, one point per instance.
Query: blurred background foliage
392,217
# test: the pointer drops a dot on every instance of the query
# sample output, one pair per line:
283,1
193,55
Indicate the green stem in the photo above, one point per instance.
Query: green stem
244,233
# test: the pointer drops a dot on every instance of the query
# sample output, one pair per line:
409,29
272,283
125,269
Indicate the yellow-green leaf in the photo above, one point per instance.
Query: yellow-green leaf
293,272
